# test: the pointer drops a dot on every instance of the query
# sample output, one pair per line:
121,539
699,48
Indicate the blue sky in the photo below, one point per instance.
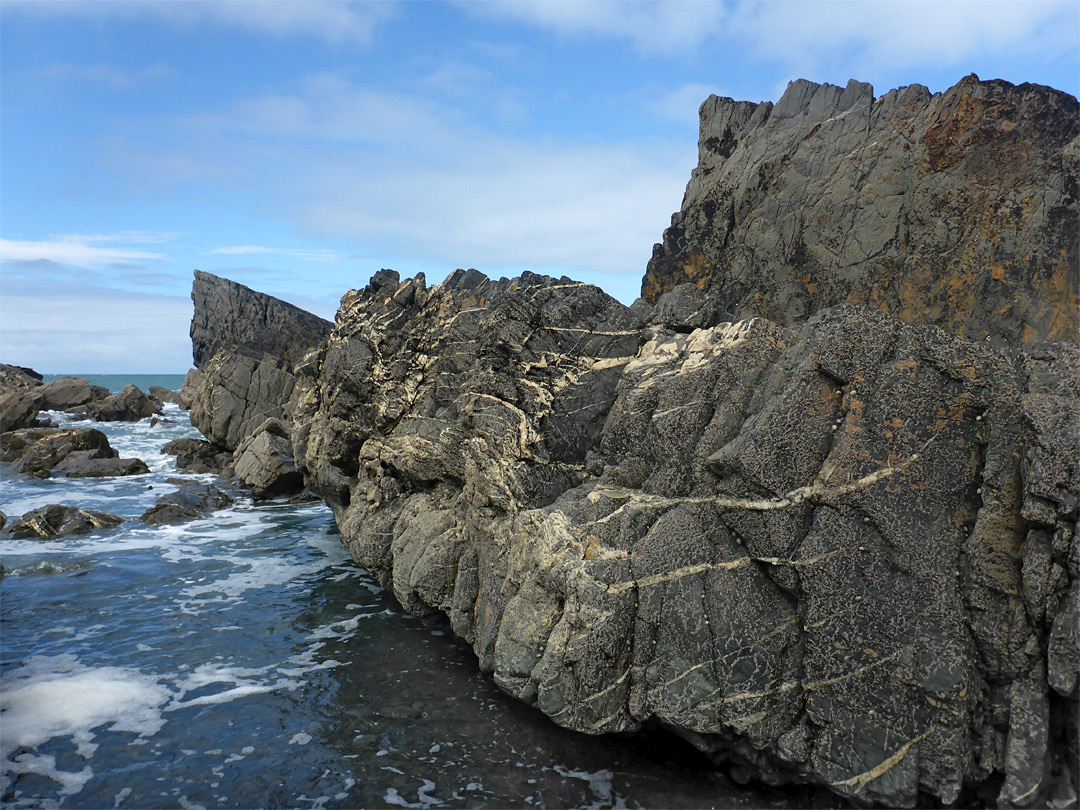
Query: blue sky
299,147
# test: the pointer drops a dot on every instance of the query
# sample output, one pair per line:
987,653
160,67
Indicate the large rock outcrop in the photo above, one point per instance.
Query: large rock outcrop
836,545
845,553
958,209
246,345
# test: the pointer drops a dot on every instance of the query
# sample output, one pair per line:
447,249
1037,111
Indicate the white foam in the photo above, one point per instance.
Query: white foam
300,738
425,800
45,765
53,696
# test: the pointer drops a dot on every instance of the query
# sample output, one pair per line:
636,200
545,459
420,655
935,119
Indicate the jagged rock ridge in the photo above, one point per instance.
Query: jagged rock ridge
843,550
958,209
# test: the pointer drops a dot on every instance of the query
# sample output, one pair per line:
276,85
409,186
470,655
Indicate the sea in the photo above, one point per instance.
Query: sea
244,661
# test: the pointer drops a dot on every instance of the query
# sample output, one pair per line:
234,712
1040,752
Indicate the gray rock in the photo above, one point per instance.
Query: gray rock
36,451
57,520
68,392
264,462
18,409
85,464
191,501
164,394
957,209
802,549
233,317
192,383
686,308
18,378
130,405
197,455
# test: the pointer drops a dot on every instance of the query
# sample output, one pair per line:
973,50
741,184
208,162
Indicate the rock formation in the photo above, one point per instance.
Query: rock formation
57,520
958,209
192,500
246,346
835,546
37,451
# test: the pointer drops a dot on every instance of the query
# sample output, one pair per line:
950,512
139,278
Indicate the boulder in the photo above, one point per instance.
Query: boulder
130,405
957,209
197,455
67,393
264,462
164,394
56,520
18,409
36,451
189,502
86,464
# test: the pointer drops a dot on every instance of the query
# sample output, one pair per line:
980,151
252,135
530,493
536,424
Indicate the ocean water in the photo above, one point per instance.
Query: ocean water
244,661
116,382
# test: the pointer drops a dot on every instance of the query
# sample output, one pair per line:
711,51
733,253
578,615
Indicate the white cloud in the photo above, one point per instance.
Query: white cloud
652,26
91,330
108,75
407,175
680,104
866,37
76,250
253,250
336,22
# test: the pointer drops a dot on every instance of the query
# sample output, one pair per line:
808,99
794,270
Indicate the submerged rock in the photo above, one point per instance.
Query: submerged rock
191,501
57,520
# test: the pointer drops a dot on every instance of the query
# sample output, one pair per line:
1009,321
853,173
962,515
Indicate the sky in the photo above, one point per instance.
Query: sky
298,148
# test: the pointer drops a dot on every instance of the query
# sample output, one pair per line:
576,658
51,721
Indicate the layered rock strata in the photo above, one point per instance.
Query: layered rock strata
958,208
838,547
246,346
845,553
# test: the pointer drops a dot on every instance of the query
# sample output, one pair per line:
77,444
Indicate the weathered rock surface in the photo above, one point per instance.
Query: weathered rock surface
57,520
164,394
87,464
191,501
68,392
192,382
837,553
36,451
957,209
198,456
264,462
838,547
246,345
18,378
233,317
130,405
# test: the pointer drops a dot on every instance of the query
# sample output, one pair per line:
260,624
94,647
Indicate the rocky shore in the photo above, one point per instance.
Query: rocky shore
811,503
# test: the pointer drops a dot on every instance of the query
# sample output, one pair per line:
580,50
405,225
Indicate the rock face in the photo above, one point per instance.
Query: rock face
130,405
957,209
57,520
196,455
164,394
831,545
845,553
246,346
233,317
264,462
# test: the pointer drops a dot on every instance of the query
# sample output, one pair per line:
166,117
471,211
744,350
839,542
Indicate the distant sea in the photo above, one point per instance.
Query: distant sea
116,382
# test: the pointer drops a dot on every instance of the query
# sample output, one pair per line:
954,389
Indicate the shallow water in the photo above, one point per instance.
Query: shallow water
244,661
